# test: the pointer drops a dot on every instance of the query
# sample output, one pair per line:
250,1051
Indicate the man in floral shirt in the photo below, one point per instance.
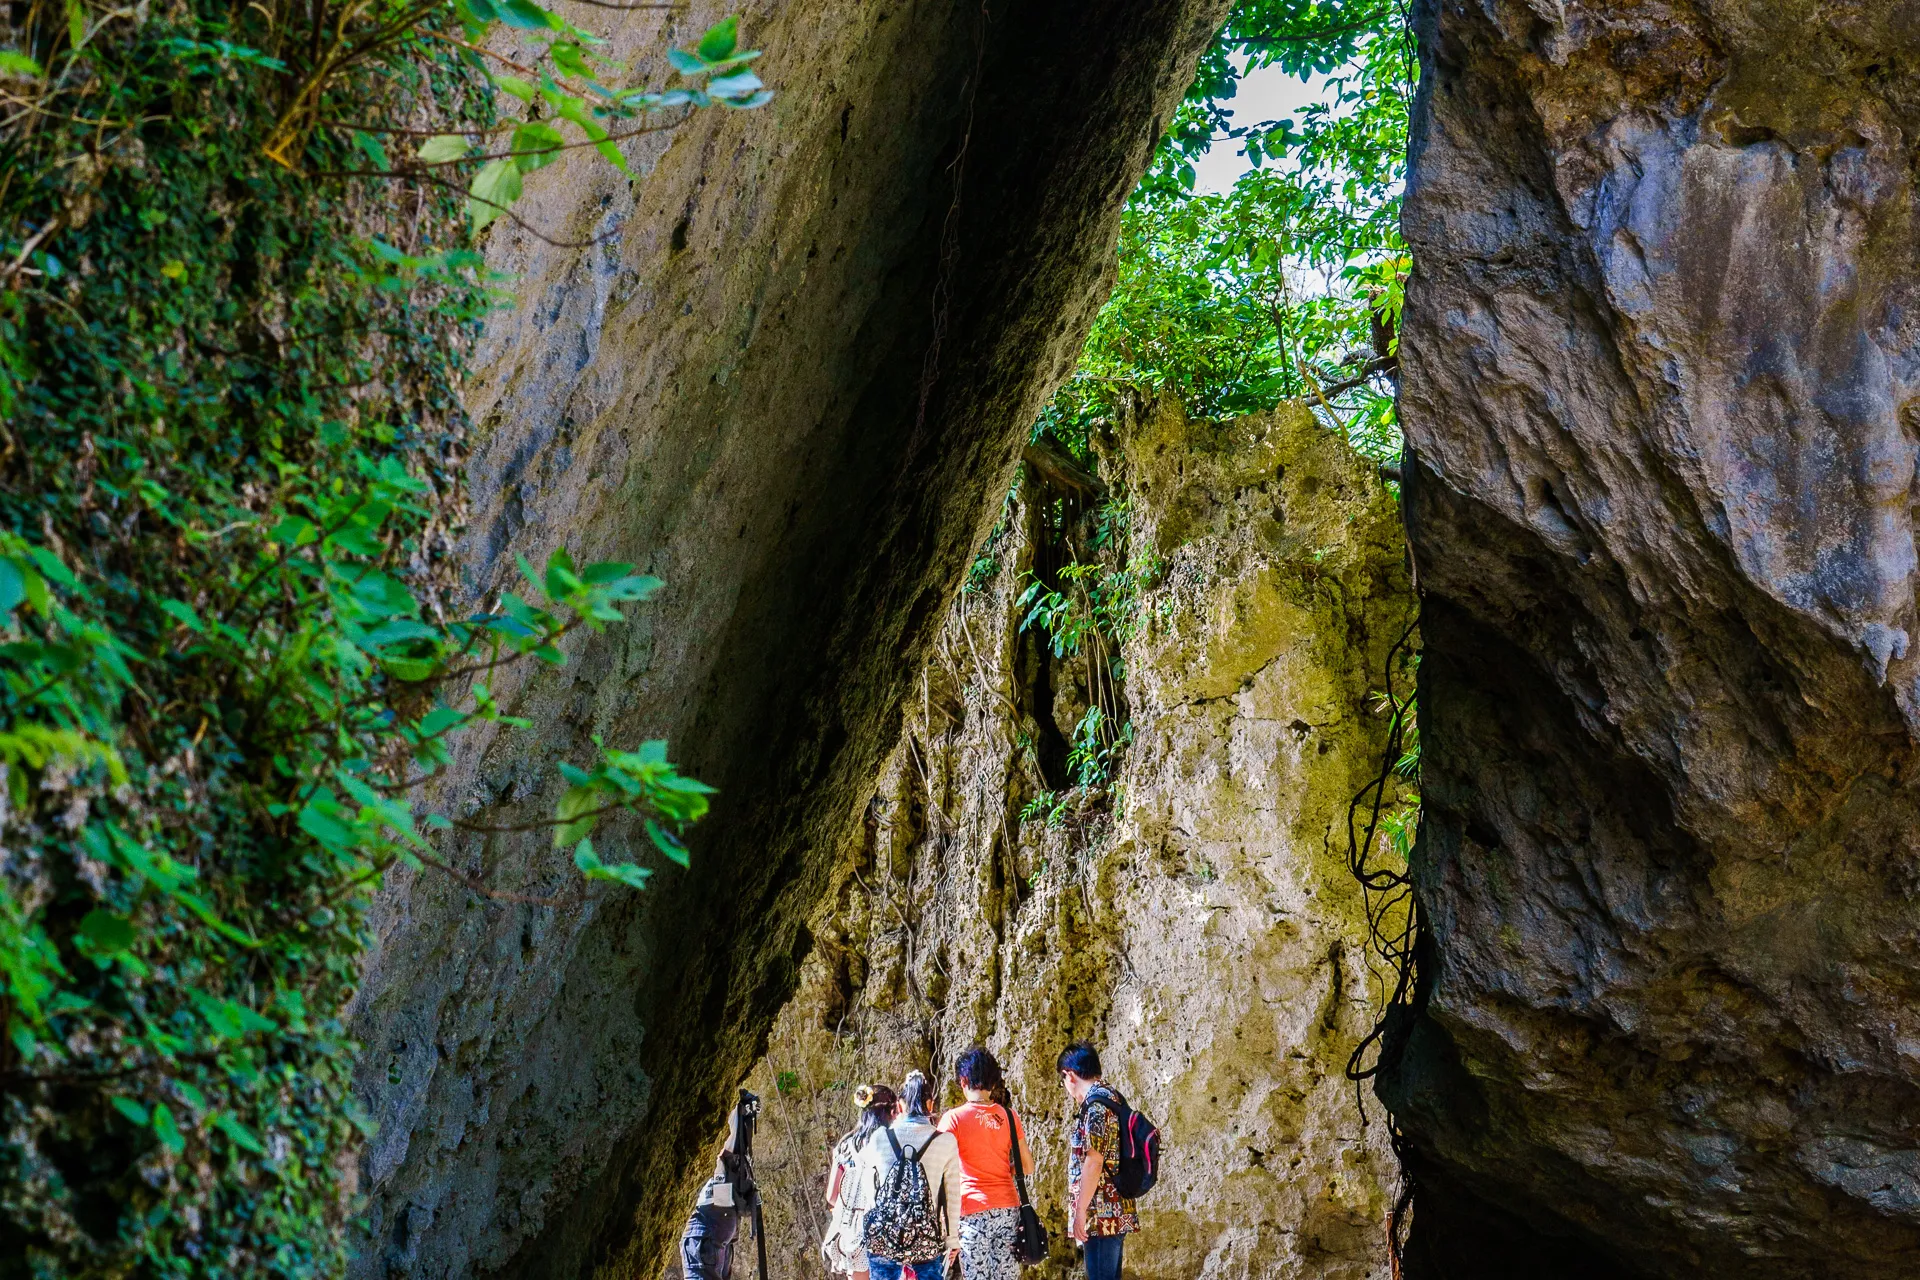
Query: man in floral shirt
1098,1218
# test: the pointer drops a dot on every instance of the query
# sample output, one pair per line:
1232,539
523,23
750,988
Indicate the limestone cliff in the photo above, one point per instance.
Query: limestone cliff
786,374
1661,370
1194,915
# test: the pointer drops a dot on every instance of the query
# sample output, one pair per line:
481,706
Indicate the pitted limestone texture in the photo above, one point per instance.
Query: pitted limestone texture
1661,369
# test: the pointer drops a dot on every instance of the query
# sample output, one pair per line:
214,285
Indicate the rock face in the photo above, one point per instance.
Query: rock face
1662,363
787,376
1194,917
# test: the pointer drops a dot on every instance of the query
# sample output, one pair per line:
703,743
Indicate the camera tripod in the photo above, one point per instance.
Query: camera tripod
746,1192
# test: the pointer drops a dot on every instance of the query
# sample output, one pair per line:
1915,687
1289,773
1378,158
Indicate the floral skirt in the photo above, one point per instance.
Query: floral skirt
986,1245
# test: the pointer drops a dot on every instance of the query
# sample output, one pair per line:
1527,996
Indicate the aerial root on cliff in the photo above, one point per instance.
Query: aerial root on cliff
1393,923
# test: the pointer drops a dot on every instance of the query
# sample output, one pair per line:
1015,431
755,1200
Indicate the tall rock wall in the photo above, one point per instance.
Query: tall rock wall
1662,385
1194,916
787,374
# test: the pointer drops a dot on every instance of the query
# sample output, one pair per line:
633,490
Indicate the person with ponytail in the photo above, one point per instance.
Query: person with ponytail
984,1129
915,1138
849,1194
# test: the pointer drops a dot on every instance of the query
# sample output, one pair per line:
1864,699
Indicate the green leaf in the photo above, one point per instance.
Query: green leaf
438,721
514,85
76,24
635,587
183,614
669,844
574,802
53,567
526,15
720,41
293,531
132,1110
239,1133
381,595
166,1130
560,580
372,148
601,572
444,148
572,109
535,146
13,585
19,64
570,60
410,670
327,821
590,865
739,84
107,934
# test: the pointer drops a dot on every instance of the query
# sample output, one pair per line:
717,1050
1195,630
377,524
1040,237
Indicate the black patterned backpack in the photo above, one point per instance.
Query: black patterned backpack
901,1226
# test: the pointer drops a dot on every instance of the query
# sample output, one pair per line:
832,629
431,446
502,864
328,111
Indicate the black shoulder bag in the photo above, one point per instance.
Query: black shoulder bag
1030,1241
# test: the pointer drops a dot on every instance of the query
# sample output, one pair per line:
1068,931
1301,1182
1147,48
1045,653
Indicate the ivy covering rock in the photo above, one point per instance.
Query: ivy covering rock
236,298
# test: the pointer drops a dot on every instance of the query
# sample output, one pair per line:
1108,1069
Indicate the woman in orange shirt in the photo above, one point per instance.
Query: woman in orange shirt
989,1201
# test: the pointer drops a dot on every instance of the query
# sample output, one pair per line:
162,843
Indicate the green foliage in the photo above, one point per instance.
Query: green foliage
1093,607
1096,748
1400,822
1094,597
1288,286
1049,805
231,643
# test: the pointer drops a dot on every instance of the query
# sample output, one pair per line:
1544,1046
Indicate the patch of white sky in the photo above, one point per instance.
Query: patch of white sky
1262,95
1266,94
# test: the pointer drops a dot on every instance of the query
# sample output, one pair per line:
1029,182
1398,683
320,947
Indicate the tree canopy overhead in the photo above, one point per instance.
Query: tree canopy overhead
1288,285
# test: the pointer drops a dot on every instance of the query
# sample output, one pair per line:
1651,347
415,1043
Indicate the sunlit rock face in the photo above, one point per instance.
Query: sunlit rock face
1662,362
1197,919
758,381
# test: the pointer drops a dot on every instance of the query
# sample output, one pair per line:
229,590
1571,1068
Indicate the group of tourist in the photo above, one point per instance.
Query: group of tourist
912,1196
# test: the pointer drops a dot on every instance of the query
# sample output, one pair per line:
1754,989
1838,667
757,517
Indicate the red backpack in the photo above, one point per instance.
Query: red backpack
1139,1145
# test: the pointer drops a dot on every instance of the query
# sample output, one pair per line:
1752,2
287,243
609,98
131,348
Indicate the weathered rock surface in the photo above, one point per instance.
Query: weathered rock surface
1662,363
727,388
1203,929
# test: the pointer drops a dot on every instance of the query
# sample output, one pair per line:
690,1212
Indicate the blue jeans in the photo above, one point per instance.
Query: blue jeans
887,1269
1103,1257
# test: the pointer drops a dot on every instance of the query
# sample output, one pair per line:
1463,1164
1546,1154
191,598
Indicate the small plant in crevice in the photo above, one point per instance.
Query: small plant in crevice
1052,806
1096,748
1400,821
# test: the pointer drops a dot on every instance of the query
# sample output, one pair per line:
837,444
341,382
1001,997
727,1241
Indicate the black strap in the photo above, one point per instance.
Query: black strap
909,1153
1013,1149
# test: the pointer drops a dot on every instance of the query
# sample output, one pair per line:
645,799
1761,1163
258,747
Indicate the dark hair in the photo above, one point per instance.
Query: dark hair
1082,1059
877,1114
978,1069
917,1092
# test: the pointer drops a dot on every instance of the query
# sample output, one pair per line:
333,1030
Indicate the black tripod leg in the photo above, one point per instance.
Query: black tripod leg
760,1239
